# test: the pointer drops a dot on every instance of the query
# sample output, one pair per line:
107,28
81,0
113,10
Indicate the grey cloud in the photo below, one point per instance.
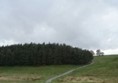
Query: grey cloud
88,24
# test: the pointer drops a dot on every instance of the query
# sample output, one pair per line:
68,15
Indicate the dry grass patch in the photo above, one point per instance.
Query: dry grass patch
19,78
82,79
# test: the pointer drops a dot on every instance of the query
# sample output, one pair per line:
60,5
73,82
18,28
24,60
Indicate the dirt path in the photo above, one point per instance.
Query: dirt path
66,73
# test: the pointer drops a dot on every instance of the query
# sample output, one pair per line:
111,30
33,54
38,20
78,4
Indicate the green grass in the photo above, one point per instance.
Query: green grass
31,74
104,70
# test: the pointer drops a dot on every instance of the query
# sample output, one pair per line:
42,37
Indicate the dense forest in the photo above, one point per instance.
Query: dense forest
43,54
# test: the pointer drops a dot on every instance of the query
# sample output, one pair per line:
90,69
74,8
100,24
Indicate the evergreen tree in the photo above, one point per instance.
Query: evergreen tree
43,54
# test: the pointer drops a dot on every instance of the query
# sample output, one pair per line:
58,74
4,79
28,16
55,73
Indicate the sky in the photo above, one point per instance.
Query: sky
88,24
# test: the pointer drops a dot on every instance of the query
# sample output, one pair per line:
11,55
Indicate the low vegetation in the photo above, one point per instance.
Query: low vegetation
104,70
31,74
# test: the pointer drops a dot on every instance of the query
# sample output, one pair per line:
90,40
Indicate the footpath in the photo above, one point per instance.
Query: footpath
66,73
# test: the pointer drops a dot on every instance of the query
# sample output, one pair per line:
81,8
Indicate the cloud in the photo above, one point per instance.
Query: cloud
7,42
86,24
111,51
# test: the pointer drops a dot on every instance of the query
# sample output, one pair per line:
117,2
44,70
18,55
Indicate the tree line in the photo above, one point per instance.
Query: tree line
43,54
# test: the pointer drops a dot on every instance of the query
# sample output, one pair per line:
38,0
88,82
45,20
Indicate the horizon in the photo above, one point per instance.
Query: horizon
106,52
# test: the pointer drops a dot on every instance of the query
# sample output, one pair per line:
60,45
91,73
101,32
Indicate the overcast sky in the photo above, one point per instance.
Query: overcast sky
90,24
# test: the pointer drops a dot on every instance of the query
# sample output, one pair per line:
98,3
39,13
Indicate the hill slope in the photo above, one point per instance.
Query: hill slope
104,70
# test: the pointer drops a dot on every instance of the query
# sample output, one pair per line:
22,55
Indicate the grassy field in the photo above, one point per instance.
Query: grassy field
31,74
104,70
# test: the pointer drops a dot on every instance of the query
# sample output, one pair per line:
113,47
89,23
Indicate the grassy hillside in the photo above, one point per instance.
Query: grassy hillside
31,74
104,70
